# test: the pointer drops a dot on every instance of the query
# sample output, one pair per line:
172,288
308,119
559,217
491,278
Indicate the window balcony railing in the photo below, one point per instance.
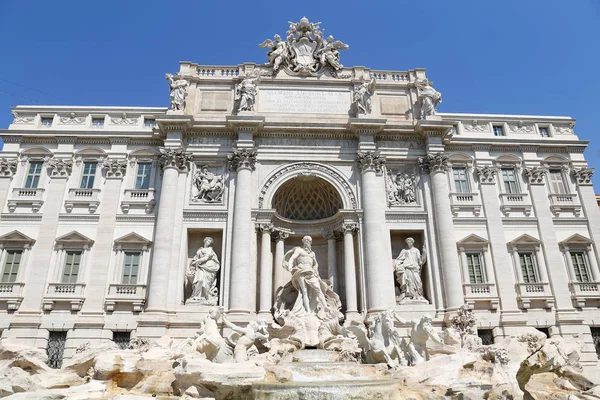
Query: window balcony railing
83,197
481,292
133,294
11,293
138,198
538,291
25,197
465,202
581,292
72,293
511,202
564,202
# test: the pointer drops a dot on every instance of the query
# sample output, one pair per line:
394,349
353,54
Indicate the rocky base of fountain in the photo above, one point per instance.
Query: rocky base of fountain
525,366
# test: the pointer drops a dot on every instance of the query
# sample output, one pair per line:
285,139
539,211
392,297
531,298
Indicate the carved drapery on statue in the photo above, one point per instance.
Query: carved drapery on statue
202,275
209,186
305,51
361,96
246,91
407,271
178,92
429,98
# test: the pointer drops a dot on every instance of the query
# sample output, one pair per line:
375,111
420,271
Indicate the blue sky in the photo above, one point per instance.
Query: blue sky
536,57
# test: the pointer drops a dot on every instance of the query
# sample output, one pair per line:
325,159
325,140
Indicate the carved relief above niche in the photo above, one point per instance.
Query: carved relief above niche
401,186
208,184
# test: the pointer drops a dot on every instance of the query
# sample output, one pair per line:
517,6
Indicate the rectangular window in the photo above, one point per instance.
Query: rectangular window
510,180
475,268
89,173
486,336
528,267
71,268
149,122
46,121
122,339
544,132
580,266
56,348
11,266
98,122
461,185
33,175
498,130
142,178
557,183
131,266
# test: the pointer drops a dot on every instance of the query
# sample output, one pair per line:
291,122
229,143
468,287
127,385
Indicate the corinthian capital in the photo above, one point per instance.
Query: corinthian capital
114,168
583,176
8,167
486,174
370,160
535,175
59,167
174,158
434,162
242,158
349,227
265,228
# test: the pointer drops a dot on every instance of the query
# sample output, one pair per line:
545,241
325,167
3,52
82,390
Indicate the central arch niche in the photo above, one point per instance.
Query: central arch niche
307,198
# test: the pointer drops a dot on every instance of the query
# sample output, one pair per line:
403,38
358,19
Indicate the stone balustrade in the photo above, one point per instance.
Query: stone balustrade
584,291
83,197
511,202
73,293
138,198
562,202
465,202
481,292
121,293
12,294
537,292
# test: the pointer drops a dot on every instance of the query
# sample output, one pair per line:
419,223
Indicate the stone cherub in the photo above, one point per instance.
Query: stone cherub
178,93
279,52
329,54
407,270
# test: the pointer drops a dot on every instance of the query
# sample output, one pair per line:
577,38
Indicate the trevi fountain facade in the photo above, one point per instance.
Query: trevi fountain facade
296,229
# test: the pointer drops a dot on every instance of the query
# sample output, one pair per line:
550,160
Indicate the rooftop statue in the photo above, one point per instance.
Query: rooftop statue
429,98
178,93
305,51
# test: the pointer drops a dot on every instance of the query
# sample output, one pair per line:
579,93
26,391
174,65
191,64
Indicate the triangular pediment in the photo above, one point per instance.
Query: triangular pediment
472,240
576,239
74,237
133,239
16,237
523,240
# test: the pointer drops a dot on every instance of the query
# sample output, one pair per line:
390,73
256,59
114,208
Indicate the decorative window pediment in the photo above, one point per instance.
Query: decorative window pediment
575,240
524,240
473,241
133,240
74,238
16,239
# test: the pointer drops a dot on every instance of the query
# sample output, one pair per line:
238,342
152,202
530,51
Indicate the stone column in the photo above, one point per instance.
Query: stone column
172,161
489,195
350,269
558,277
266,270
436,165
281,276
59,171
242,161
587,198
8,168
379,269
332,259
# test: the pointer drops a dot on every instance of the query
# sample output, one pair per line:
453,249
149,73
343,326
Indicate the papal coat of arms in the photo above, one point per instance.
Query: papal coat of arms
305,51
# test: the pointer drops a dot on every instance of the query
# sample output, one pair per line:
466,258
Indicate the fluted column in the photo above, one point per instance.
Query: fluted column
436,166
242,161
172,162
281,275
587,197
332,259
350,268
379,270
266,269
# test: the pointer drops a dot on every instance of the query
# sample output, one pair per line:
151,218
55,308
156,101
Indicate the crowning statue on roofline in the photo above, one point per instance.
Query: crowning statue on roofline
305,51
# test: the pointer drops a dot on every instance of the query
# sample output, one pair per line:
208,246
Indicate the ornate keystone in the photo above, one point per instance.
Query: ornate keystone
8,167
435,162
114,168
59,167
535,175
486,174
242,158
583,176
370,160
174,158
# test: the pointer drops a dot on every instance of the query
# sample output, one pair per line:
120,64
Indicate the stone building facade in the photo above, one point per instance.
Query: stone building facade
103,209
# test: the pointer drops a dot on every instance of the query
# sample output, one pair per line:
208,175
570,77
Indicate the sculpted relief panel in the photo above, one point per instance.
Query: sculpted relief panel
401,188
208,185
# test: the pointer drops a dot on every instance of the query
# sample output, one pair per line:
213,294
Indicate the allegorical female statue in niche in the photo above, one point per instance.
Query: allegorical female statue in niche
203,275
407,269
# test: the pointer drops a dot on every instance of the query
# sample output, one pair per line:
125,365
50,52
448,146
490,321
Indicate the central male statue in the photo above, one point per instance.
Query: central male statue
306,293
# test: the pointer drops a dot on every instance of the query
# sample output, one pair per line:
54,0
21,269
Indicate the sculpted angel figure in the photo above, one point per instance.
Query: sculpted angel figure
210,186
245,92
329,54
203,274
279,51
361,97
178,92
407,268
428,97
